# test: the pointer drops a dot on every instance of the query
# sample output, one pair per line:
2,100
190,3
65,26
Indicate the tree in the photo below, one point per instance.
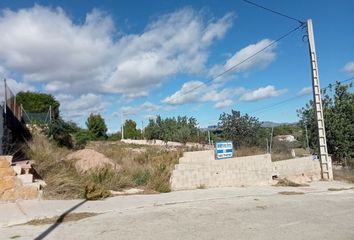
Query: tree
182,129
242,130
96,126
130,130
38,102
60,131
338,108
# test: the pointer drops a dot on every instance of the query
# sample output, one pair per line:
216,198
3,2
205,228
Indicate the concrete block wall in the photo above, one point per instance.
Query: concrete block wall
200,169
305,166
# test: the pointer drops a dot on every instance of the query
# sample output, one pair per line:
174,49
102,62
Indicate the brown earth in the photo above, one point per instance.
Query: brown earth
88,159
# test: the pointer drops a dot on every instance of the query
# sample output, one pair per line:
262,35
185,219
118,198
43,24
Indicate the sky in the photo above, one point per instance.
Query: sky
138,59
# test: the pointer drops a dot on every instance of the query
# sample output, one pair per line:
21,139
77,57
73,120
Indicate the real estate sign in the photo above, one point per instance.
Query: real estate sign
223,149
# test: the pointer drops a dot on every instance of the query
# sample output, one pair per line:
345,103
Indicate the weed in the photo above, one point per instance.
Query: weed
291,193
147,166
339,189
287,183
346,175
201,186
68,218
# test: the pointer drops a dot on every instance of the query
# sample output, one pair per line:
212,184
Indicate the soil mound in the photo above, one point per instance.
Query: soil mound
88,159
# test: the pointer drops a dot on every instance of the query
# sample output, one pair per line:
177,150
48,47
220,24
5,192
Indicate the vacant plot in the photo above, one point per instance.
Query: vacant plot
146,167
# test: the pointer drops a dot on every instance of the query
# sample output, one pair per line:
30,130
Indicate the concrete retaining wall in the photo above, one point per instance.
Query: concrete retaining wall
163,143
200,169
297,167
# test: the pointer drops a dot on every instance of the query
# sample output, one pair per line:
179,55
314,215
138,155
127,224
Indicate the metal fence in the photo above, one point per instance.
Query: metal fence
36,118
13,132
10,102
2,128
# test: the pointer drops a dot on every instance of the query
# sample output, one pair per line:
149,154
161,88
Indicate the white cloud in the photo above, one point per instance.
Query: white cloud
15,87
305,91
260,61
45,45
223,104
146,107
175,43
189,93
76,108
262,93
198,92
349,68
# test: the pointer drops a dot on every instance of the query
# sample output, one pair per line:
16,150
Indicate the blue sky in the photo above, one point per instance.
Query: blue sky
145,58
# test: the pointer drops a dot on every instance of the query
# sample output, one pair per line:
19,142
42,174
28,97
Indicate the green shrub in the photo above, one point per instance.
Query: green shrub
95,192
142,178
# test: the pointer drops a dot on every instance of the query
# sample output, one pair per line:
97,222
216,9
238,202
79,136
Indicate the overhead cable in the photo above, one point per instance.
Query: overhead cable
273,11
351,79
232,68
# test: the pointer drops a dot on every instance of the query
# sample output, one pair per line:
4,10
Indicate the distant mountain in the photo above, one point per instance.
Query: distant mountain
269,124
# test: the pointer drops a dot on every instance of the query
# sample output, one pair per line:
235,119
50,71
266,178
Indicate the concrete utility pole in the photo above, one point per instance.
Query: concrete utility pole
271,141
307,138
326,163
209,137
121,117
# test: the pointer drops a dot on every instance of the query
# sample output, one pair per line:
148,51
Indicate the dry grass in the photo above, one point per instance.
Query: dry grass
62,180
248,151
150,166
291,193
346,175
339,189
287,183
67,218
279,156
142,166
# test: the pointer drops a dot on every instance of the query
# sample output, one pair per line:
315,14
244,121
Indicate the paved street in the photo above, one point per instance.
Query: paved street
226,213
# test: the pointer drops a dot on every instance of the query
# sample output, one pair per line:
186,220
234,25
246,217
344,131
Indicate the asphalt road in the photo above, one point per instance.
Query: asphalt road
253,214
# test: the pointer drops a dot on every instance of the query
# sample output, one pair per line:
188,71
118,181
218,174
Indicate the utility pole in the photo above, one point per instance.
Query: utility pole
142,129
209,137
50,113
326,163
271,141
267,145
307,137
122,131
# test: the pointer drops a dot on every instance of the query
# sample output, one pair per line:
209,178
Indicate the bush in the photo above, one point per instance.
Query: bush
82,137
95,192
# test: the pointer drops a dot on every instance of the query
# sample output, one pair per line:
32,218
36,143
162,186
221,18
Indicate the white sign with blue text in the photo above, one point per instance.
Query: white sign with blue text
223,149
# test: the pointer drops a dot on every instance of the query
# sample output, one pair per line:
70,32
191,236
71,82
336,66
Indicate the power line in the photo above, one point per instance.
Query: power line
351,79
232,68
273,11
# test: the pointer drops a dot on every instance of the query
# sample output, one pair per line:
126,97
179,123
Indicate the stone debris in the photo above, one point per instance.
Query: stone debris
127,191
14,185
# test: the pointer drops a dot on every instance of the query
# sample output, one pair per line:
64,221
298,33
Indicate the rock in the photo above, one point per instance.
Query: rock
4,163
127,191
26,178
5,172
299,179
88,159
7,183
8,195
27,192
